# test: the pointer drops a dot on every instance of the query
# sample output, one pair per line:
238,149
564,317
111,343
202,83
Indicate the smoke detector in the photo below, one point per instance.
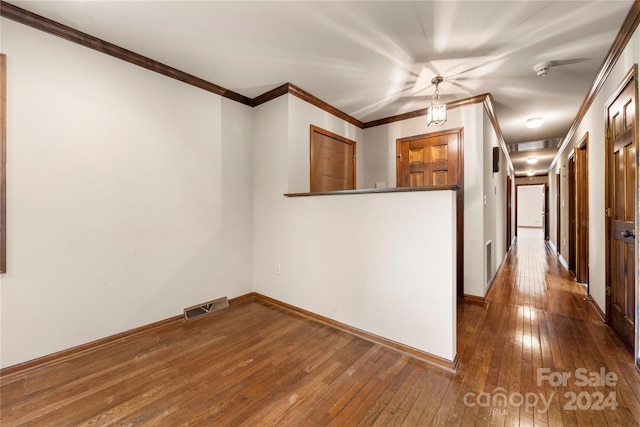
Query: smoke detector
542,69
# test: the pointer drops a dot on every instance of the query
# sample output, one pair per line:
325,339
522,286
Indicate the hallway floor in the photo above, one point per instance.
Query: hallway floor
534,354
539,344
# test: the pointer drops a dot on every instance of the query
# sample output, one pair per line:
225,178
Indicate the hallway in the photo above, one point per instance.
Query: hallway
539,340
534,354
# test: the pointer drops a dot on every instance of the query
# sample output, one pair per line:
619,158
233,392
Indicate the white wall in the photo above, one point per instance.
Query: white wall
137,195
348,257
129,196
530,205
593,123
380,165
494,189
530,180
301,116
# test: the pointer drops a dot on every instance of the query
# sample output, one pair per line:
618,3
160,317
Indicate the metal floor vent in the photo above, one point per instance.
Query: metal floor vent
200,310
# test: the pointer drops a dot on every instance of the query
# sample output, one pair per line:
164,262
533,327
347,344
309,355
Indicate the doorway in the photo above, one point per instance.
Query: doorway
578,180
582,210
621,190
530,206
333,161
509,212
436,159
545,211
571,180
558,213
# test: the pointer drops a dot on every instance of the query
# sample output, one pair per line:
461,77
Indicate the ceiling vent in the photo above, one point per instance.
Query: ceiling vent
534,145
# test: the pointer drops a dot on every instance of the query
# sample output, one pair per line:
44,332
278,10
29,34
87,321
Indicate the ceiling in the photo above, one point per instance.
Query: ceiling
376,59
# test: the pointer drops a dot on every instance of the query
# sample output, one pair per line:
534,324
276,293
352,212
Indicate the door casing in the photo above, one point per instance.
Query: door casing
630,79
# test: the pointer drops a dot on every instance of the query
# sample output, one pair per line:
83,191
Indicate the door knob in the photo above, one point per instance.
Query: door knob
628,233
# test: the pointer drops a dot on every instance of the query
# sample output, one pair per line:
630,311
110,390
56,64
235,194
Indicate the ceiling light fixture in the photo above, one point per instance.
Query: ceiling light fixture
437,111
534,122
532,160
531,173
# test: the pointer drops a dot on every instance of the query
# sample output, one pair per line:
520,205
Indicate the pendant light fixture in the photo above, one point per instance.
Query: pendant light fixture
437,111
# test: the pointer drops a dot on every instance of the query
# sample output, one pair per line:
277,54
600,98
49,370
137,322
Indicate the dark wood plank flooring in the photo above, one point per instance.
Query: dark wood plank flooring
258,364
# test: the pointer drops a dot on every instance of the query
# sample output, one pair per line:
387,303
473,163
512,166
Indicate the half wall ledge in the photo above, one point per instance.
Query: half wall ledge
377,190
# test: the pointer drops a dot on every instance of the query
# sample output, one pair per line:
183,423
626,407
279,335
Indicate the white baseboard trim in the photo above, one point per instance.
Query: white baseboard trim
563,262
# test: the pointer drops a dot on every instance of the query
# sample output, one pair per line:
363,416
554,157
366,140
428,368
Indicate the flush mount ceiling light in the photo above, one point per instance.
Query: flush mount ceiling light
437,111
531,173
534,122
532,160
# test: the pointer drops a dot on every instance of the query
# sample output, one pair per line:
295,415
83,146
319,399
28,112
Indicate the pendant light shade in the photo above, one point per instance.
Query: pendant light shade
437,111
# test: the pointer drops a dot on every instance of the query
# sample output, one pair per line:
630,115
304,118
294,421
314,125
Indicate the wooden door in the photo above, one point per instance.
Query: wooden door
545,211
333,162
582,210
621,197
571,180
436,159
428,160
558,210
509,212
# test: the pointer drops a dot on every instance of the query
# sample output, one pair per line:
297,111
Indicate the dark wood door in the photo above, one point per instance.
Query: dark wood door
571,180
333,159
509,212
545,211
582,211
431,160
558,210
621,185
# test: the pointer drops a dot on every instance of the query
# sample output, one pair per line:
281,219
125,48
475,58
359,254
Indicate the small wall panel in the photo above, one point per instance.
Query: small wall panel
439,153
417,179
440,177
416,156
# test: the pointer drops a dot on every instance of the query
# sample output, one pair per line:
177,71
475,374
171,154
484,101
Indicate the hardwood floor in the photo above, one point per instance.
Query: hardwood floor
260,364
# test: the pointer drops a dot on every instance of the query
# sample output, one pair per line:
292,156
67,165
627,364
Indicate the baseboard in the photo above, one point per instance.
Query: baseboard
597,309
54,357
242,299
75,351
563,262
493,279
553,246
474,299
411,351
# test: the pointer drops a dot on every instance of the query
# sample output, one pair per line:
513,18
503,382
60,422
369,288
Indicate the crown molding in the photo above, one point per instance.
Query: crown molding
272,94
423,111
629,26
9,11
289,88
306,96
488,107
49,26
